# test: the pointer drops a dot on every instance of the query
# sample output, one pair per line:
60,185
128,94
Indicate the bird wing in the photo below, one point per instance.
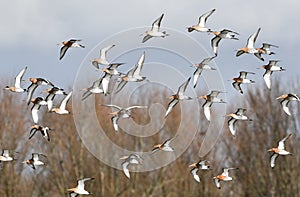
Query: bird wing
65,101
203,18
114,106
104,50
206,109
183,87
231,124
136,106
281,142
156,23
125,168
196,75
214,44
35,156
18,78
139,65
171,105
73,194
168,141
243,74
267,45
30,91
258,55
5,153
81,183
63,51
105,82
147,37
217,183
273,159
237,86
252,39
32,133
114,120
207,60
195,175
284,104
34,113
267,78
214,93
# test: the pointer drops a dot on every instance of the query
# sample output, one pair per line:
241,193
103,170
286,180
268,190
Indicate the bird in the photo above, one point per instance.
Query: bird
37,103
178,96
223,177
5,156
121,113
79,189
101,60
265,49
17,87
164,146
249,48
203,65
132,75
201,26
280,150
51,94
35,160
286,98
131,159
200,165
219,35
112,69
241,80
238,115
209,100
62,107
94,89
35,82
270,68
68,44
154,32
43,130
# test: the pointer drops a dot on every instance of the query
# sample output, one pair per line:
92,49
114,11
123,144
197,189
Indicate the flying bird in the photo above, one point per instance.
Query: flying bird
18,79
132,75
200,165
94,89
249,48
265,49
79,189
51,94
286,98
201,26
223,177
62,108
155,30
219,35
122,113
131,159
72,43
280,150
270,68
164,146
209,100
35,82
238,115
35,160
242,79
101,60
203,65
178,96
5,156
43,130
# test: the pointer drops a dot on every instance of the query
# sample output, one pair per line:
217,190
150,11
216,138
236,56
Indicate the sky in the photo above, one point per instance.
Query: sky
32,29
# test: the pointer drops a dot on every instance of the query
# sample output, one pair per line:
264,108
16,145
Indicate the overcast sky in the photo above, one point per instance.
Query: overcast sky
30,31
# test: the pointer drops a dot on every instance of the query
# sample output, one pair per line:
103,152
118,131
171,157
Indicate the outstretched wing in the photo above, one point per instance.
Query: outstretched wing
156,23
203,18
252,39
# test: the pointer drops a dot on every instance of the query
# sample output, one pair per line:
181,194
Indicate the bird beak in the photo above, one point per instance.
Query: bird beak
278,98
270,150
